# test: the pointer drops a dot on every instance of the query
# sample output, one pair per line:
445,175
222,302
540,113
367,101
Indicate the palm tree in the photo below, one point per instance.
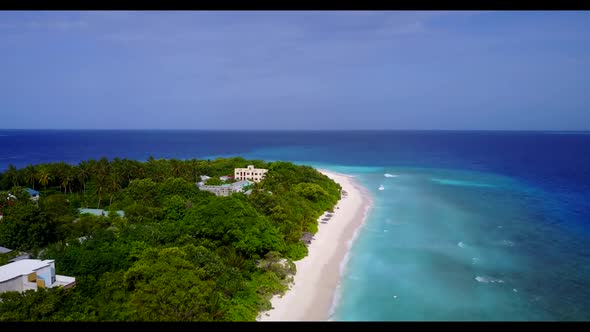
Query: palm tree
83,173
66,179
194,166
44,176
176,167
127,171
102,167
12,175
100,185
31,175
114,185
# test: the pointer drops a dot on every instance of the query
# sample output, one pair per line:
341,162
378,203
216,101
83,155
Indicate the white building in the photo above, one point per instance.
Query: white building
223,190
249,173
239,186
227,189
32,274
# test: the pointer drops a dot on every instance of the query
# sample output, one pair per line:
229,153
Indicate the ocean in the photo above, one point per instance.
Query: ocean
470,225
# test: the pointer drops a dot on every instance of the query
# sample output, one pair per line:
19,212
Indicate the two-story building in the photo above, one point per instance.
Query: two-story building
27,274
250,173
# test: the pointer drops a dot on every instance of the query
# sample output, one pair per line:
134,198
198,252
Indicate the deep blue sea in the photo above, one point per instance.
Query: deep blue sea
470,225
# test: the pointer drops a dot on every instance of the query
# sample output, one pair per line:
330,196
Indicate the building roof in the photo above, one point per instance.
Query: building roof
21,257
22,267
4,250
63,280
32,192
242,183
100,212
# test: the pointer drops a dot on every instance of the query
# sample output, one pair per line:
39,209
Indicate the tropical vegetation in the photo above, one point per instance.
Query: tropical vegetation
178,254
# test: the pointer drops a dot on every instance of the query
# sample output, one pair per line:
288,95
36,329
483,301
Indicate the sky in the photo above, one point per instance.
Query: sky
275,70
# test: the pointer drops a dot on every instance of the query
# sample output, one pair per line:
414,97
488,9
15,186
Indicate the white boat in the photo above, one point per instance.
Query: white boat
381,187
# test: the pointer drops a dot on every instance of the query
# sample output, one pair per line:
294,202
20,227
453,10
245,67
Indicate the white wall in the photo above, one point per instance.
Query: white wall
15,284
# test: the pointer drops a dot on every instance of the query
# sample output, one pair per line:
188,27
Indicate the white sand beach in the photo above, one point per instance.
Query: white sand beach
312,293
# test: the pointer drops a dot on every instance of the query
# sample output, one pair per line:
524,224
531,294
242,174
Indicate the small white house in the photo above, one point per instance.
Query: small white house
27,274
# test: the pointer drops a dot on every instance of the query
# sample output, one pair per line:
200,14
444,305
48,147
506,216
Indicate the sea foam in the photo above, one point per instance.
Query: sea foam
486,280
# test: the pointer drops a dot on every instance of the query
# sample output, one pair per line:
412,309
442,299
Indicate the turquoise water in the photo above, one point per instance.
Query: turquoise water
457,245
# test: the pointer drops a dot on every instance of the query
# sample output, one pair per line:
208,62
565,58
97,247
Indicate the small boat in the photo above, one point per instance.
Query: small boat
381,187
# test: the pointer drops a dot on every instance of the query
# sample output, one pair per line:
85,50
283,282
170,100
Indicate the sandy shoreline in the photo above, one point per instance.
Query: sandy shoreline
318,275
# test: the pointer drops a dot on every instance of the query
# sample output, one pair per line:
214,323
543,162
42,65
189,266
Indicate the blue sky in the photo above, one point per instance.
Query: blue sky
295,70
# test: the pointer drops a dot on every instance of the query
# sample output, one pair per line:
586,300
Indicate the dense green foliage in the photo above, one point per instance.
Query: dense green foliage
178,254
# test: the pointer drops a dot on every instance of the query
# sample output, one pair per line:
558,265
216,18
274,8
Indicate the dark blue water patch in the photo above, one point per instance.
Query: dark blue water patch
557,160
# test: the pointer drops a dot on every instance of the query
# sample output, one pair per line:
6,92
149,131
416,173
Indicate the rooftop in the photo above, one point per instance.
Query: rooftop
22,267
32,192
241,183
63,280
4,250
100,212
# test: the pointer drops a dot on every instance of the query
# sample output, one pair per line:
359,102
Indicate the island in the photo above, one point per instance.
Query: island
174,240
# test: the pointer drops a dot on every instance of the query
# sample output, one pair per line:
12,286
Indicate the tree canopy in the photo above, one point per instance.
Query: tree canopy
178,254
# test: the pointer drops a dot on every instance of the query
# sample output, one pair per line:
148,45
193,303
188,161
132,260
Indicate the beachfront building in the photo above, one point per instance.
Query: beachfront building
223,190
227,189
32,274
240,185
250,173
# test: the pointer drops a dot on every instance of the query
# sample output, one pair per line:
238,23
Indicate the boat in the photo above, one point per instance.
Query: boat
381,187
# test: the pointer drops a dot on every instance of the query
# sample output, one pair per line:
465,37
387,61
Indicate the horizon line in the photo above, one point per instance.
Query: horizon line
289,130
